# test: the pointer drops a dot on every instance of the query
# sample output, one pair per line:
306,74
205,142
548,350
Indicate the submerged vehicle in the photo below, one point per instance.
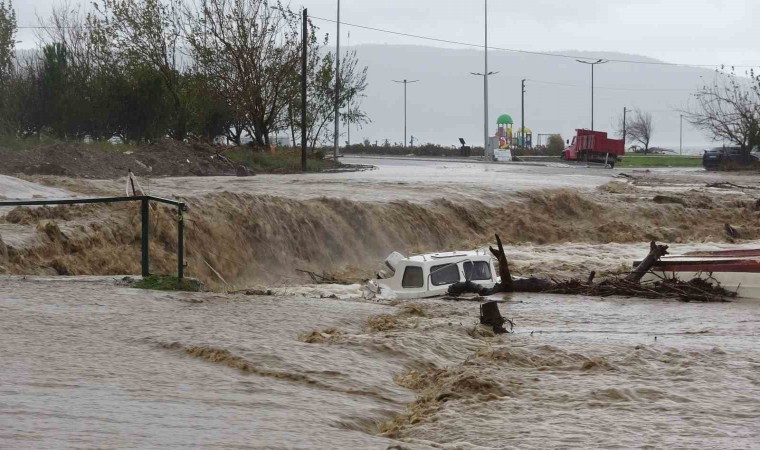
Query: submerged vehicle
431,274
735,270
594,146
718,157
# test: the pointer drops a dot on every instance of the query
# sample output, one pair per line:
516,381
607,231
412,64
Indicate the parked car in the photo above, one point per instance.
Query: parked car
714,158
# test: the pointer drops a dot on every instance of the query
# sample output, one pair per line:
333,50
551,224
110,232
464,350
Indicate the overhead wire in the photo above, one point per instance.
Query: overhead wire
528,52
609,88
474,45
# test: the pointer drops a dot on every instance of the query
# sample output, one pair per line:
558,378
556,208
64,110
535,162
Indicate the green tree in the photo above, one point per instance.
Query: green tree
209,113
149,32
555,144
8,28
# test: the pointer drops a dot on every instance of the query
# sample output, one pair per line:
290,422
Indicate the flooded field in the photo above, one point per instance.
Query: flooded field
87,362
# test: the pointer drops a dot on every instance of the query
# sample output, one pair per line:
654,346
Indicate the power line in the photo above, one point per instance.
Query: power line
469,44
50,27
609,88
528,52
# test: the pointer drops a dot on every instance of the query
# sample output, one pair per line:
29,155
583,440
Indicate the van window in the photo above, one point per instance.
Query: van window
444,274
413,277
479,270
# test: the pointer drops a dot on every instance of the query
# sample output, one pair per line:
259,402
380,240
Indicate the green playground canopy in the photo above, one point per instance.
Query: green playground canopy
504,119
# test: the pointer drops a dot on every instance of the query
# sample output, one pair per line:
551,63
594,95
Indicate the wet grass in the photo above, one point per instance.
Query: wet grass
168,283
280,161
642,161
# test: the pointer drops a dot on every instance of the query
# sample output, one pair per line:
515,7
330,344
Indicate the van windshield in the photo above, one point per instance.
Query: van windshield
413,277
477,271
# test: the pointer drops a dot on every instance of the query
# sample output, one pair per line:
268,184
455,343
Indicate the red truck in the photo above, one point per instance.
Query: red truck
594,146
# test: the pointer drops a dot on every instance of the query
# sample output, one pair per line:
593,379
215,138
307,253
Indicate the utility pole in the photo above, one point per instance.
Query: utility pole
625,123
350,102
405,83
486,153
337,90
522,129
592,64
304,77
680,139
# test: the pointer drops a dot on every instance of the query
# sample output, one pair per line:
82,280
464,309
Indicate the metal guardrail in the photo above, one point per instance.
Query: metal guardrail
144,217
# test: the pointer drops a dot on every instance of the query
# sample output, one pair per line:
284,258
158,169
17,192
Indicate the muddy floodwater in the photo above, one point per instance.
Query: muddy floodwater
89,364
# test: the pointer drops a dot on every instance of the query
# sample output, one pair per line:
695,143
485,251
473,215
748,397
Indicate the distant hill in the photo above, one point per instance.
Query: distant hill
447,103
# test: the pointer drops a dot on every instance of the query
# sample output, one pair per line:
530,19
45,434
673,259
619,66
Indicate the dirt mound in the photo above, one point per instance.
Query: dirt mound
164,158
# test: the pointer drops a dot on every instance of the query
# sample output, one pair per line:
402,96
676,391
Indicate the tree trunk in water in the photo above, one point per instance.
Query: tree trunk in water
506,276
655,253
490,315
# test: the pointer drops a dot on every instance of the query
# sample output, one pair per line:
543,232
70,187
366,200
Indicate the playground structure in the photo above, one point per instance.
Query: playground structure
504,131
510,139
528,134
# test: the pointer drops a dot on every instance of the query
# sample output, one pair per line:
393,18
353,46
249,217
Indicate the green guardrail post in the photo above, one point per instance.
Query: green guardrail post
180,241
145,216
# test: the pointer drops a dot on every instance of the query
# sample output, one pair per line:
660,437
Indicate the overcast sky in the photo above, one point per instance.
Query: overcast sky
682,31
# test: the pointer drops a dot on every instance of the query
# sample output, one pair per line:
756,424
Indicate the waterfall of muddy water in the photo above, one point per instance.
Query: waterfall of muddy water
89,364
252,238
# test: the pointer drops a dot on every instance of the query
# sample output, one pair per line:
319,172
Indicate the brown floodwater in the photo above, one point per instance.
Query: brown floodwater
90,364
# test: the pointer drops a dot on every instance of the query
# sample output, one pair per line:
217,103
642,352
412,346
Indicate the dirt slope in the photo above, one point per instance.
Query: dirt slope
164,158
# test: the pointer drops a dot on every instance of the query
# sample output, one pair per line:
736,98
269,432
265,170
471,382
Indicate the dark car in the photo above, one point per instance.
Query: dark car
714,158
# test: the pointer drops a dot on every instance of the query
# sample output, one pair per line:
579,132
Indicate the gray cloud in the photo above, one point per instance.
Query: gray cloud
684,31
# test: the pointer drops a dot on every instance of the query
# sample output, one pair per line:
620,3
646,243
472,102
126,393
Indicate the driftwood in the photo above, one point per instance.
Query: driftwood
490,315
727,185
628,285
655,253
731,232
506,276
324,278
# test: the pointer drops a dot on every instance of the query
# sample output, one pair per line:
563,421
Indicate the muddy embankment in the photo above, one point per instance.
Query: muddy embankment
241,240
163,158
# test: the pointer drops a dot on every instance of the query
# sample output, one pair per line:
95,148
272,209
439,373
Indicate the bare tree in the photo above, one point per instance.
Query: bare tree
251,48
321,94
729,109
638,128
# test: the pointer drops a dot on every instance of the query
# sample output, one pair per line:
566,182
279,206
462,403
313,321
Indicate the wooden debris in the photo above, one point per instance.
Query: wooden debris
324,278
655,253
490,315
628,285
727,185
732,232
506,276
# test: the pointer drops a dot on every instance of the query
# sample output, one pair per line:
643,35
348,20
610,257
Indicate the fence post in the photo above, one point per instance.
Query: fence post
180,241
145,238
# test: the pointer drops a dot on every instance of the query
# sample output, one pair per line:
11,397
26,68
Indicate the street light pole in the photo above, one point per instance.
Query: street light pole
625,123
304,78
337,90
522,129
405,83
486,153
592,64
